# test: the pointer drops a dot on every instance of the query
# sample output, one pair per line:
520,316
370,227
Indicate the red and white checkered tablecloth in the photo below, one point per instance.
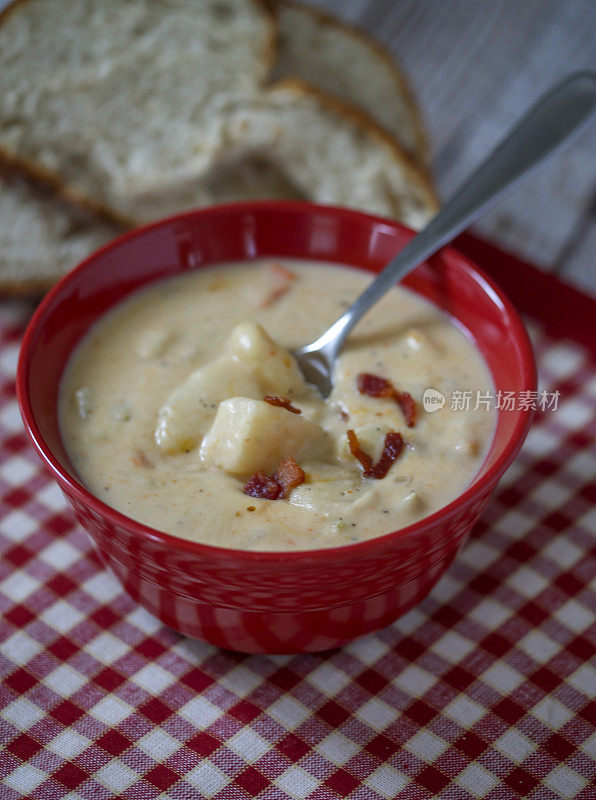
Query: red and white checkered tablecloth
485,690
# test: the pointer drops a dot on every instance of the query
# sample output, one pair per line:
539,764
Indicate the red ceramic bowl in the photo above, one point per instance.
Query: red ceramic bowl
271,602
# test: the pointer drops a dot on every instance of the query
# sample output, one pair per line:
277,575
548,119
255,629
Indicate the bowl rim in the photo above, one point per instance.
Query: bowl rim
347,551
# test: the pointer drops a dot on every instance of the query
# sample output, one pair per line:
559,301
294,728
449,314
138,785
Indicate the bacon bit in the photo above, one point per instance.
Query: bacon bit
375,386
357,451
274,294
282,280
281,402
289,475
392,449
217,284
263,486
408,407
139,459
282,271
277,486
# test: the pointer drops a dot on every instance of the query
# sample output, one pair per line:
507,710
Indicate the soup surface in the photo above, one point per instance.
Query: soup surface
183,409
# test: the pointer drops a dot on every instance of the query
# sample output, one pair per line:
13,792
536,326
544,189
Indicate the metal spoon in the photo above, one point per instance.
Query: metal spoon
549,126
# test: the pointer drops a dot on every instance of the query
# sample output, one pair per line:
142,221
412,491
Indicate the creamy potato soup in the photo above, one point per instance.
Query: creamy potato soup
184,409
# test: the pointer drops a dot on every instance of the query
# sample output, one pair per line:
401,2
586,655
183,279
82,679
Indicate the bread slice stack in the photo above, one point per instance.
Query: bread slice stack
345,63
113,114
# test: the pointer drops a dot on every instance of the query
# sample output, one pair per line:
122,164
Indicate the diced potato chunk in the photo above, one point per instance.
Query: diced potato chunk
330,490
271,363
414,503
419,340
249,435
458,437
154,342
191,407
84,401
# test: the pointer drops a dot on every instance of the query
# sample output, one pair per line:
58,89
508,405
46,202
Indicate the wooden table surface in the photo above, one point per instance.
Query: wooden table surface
475,66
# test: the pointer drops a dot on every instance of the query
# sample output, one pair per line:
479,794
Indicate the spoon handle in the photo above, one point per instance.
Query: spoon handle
549,126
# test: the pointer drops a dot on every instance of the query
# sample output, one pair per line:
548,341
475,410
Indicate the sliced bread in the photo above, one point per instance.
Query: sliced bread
347,63
42,238
107,99
60,122
294,141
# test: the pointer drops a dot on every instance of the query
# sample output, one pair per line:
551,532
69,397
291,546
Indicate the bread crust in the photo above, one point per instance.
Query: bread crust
52,180
33,289
9,9
36,287
417,175
270,53
422,154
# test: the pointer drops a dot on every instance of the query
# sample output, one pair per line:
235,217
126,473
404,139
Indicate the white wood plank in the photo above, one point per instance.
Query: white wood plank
476,65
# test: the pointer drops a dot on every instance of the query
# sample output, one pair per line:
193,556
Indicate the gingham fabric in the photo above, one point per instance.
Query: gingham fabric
485,690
